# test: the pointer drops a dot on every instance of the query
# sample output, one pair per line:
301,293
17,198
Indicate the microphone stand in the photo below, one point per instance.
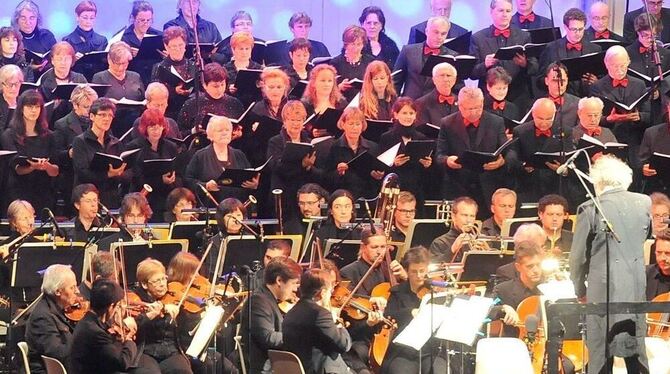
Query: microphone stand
199,64
551,16
657,62
609,233
561,128
207,231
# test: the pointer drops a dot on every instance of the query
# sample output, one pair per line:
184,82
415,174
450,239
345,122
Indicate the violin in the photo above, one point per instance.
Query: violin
135,306
78,310
287,305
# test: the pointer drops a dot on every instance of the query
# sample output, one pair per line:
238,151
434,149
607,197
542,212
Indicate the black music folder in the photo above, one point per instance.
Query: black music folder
475,160
661,163
162,166
23,160
621,107
294,152
539,159
205,49
510,123
150,48
298,90
63,91
235,177
93,57
269,51
173,78
36,57
593,63
430,130
528,49
647,78
593,146
365,163
326,120
248,117
247,80
101,161
266,129
418,149
463,64
460,44
544,35
376,128
605,44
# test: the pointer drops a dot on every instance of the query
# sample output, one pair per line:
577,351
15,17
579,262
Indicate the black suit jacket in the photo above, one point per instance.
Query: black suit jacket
49,333
310,333
266,330
590,35
566,115
556,51
411,61
431,111
655,139
629,33
540,22
454,31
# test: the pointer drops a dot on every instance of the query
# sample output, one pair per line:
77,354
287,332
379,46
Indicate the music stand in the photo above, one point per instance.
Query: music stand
135,252
237,251
343,253
5,229
30,259
479,265
423,232
189,230
296,243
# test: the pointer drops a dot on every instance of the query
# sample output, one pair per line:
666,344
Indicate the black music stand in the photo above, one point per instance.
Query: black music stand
237,251
424,231
296,243
343,253
31,259
135,252
192,231
479,265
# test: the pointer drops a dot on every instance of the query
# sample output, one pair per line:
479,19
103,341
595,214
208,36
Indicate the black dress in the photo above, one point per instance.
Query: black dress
36,187
345,70
225,106
142,66
131,87
49,83
85,42
389,50
185,68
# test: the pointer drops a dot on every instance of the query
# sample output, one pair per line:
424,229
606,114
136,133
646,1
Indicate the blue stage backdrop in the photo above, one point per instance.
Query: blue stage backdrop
271,17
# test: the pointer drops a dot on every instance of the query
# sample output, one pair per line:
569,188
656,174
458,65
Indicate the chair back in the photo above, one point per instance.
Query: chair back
53,366
23,347
284,362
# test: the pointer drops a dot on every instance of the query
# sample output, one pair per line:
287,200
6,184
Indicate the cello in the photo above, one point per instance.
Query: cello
659,323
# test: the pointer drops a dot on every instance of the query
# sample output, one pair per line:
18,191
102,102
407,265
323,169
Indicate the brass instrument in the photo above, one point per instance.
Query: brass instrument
278,209
146,190
473,231
387,202
250,200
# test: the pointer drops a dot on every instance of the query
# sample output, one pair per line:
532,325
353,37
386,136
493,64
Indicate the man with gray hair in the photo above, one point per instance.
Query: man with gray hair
440,102
438,8
471,129
48,331
527,232
612,257
156,96
589,114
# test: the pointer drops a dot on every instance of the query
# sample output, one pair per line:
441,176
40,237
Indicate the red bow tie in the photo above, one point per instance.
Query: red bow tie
505,33
620,82
557,100
474,124
546,133
430,50
498,105
644,49
575,46
595,132
602,35
444,98
529,18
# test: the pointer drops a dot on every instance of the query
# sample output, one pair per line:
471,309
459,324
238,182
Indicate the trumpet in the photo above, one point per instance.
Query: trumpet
473,231
146,190
278,209
250,200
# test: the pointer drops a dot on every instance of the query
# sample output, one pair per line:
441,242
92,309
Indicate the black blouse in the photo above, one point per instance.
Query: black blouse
345,70
5,113
225,106
131,87
389,50
185,68
40,40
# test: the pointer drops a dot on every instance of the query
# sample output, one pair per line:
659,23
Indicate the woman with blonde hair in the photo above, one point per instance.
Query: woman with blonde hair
322,93
11,78
241,45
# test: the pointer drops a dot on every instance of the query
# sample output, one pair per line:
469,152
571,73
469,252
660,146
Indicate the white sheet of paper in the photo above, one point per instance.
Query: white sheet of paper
469,314
417,332
555,290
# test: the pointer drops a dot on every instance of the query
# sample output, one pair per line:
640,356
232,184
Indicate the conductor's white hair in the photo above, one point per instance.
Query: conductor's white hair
530,232
610,172
584,101
54,278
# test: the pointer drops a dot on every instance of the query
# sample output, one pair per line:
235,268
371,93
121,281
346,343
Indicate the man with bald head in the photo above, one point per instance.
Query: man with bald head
413,56
438,8
655,9
599,17
471,129
525,18
440,102
618,85
535,179
502,33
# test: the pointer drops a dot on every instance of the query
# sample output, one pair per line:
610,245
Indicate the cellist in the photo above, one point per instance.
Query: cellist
658,274
403,305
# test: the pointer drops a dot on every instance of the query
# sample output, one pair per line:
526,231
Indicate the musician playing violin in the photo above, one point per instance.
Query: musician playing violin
658,274
282,278
403,306
157,331
100,344
48,331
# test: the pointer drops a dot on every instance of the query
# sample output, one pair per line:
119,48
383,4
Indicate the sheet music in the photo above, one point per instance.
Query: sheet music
417,332
465,317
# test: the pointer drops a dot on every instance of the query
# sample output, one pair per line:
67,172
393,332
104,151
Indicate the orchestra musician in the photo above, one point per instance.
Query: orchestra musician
588,260
102,343
98,138
502,33
527,232
379,45
403,305
178,199
403,215
553,211
21,218
309,330
310,197
48,330
11,79
263,325
438,8
660,212
186,19
156,329
229,214
102,267
30,178
206,164
440,102
134,214
658,274
85,200
340,212
84,40
599,18
525,18
503,206
274,248
174,41
451,246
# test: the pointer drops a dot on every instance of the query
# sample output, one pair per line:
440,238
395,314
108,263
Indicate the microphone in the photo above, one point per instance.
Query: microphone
52,218
531,324
433,283
209,195
373,230
246,227
563,169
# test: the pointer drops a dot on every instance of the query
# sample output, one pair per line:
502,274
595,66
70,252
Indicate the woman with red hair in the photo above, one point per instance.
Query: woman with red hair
161,176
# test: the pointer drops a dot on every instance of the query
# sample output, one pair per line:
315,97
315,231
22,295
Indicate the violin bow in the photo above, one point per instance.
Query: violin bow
360,282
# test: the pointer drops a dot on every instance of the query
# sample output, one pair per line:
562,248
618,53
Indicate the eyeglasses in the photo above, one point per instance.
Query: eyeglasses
659,216
11,85
406,211
144,20
576,29
308,203
158,281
